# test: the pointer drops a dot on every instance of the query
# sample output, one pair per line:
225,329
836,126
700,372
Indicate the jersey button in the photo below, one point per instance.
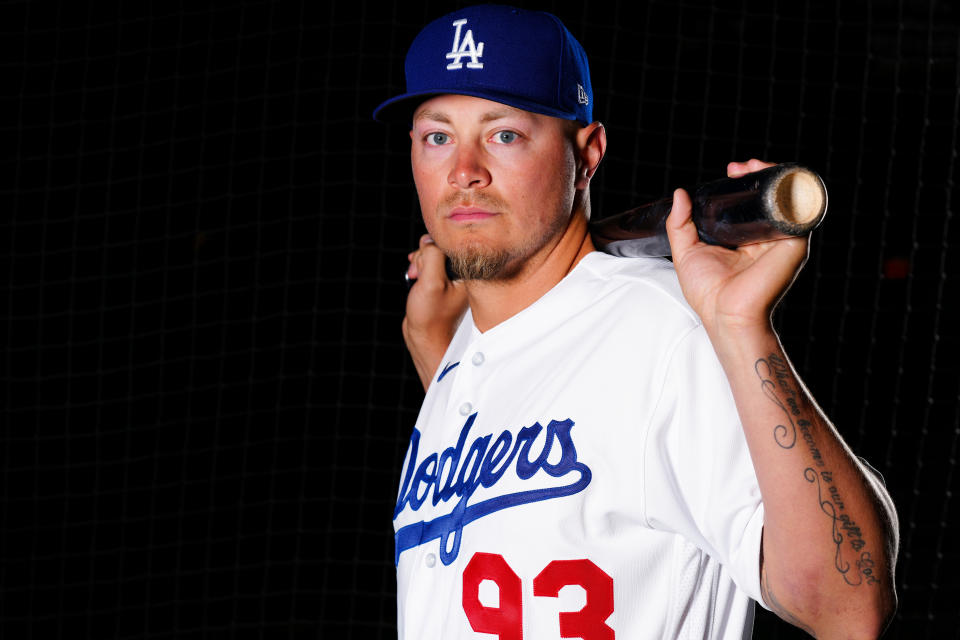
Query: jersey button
466,408
477,359
430,560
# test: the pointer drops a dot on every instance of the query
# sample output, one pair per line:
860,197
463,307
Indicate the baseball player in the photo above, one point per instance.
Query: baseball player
608,447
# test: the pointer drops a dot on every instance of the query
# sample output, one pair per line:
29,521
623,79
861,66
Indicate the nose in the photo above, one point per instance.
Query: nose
469,170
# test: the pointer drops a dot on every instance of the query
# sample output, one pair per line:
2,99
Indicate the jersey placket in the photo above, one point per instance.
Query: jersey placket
464,398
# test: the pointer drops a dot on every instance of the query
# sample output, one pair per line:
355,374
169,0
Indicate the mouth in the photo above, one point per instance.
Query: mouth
470,214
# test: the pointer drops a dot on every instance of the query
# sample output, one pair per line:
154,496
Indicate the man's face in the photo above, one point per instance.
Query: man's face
496,184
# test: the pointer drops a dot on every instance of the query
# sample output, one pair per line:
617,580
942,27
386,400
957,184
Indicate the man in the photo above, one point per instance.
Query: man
608,447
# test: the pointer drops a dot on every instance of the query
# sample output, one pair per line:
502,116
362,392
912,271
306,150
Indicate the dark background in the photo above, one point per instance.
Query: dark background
206,399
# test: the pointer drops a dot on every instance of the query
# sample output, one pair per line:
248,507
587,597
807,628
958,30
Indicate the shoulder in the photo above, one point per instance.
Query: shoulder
643,285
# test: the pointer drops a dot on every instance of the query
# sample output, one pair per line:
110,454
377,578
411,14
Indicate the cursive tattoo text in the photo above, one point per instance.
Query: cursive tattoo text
776,383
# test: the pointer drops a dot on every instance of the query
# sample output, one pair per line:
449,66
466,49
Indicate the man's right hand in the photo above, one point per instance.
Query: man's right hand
435,305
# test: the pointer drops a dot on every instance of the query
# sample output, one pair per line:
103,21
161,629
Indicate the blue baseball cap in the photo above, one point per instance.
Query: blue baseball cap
525,59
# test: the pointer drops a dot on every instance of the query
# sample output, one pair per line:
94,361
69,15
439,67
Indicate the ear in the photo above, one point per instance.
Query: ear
591,145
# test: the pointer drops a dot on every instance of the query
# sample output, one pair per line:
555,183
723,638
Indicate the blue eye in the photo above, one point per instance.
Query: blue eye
437,139
505,137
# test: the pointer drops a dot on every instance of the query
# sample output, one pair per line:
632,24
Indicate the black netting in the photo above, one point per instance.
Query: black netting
206,399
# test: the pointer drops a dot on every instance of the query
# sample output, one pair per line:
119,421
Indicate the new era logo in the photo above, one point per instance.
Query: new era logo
582,97
464,47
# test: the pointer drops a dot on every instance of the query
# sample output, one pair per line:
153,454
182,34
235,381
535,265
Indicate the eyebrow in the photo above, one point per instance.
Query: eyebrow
432,115
494,115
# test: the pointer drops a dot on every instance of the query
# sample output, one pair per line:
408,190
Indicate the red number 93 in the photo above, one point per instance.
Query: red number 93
506,621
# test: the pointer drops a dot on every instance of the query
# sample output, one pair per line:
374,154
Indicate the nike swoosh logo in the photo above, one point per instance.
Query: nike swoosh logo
446,370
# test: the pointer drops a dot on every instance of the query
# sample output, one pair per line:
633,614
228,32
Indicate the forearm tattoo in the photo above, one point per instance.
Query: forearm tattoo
776,380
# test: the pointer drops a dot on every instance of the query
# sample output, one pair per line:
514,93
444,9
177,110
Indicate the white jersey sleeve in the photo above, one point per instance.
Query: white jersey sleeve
698,476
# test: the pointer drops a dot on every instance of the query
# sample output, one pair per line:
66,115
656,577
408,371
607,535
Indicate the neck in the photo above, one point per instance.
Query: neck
492,302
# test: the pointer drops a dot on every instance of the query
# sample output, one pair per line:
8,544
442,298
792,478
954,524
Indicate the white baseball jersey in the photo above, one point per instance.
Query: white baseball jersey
580,471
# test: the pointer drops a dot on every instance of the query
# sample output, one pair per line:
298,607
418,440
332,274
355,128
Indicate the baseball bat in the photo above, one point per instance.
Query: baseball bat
777,202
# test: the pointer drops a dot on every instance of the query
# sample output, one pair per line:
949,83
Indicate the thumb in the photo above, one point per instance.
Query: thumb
681,231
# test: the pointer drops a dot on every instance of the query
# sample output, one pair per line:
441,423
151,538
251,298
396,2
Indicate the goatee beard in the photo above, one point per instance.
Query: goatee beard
474,264
478,262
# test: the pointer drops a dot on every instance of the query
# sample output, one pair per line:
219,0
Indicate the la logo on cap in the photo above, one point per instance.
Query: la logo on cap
465,47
